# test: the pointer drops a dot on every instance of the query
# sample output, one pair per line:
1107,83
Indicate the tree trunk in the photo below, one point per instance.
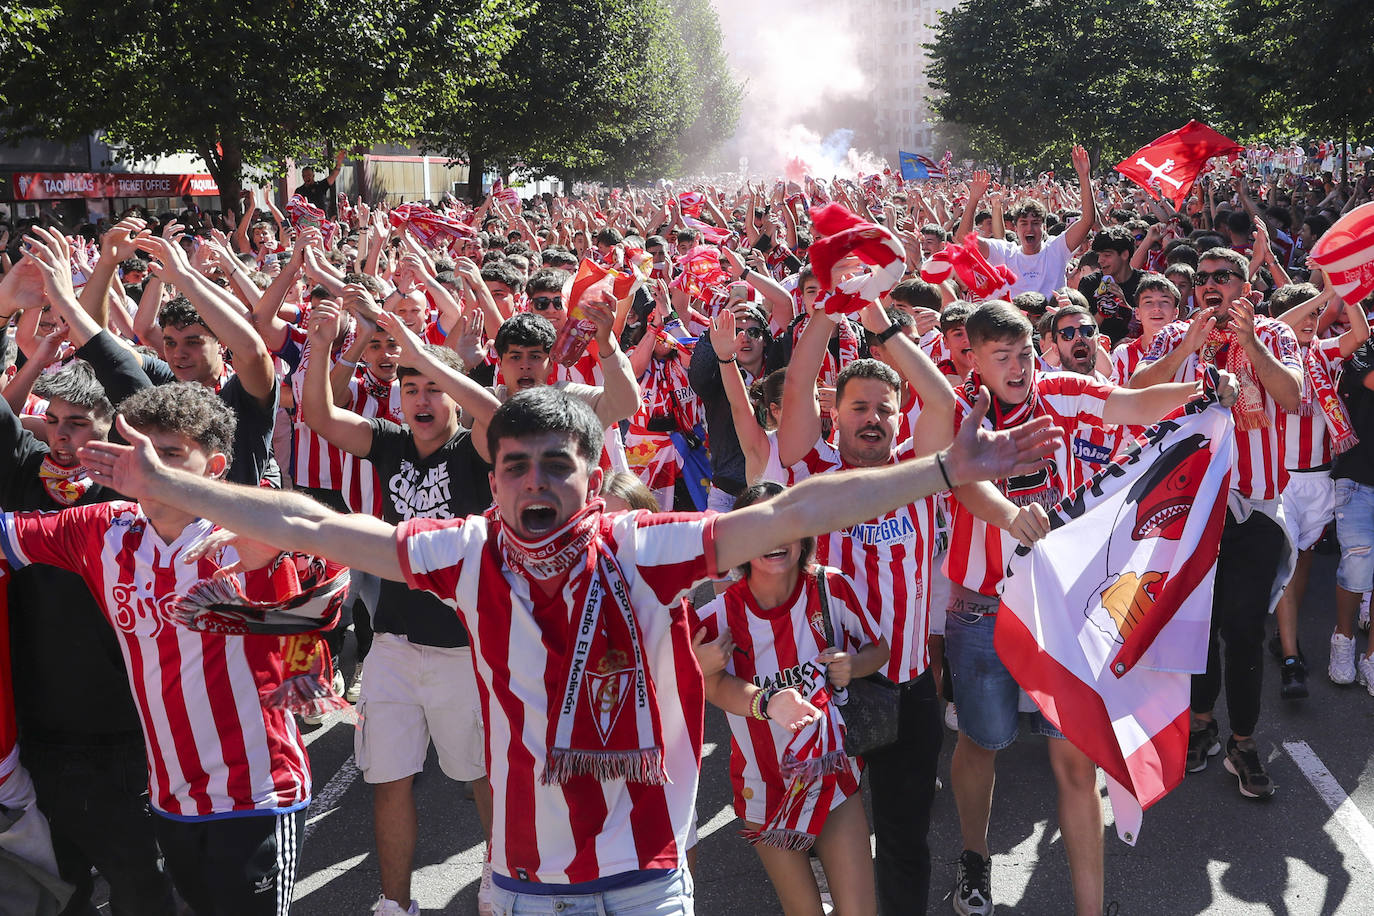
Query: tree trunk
476,165
226,167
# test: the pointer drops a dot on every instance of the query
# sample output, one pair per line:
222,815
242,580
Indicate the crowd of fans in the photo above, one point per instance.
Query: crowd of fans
385,363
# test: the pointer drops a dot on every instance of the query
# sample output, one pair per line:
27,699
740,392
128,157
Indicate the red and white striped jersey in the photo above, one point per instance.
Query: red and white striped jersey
358,483
586,371
1258,472
1307,441
319,465
1093,443
214,749
582,829
978,552
777,647
888,561
1125,358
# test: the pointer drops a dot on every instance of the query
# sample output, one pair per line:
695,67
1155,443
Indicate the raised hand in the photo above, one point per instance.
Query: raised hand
325,324
119,242
51,253
724,339
1082,164
980,454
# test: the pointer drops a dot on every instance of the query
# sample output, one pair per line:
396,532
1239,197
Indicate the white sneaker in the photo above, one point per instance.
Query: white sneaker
1341,668
484,907
385,907
1365,674
338,682
355,686
951,717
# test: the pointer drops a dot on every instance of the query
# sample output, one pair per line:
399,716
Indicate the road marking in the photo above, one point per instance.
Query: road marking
328,798
1342,808
308,884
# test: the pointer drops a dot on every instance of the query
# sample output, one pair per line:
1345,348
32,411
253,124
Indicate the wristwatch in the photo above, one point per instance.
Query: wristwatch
892,331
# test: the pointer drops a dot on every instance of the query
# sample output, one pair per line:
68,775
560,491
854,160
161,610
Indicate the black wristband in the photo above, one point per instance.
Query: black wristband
724,361
892,331
768,695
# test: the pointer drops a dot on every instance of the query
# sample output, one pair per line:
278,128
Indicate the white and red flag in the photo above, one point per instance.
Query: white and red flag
1169,165
1104,621
1346,254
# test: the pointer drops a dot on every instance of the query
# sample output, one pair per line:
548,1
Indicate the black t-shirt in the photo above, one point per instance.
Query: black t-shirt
1113,315
450,483
1358,463
317,192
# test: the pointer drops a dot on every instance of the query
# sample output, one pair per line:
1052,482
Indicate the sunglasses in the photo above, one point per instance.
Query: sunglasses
544,303
1087,330
1219,277
756,333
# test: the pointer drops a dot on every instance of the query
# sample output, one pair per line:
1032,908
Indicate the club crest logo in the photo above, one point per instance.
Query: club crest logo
608,686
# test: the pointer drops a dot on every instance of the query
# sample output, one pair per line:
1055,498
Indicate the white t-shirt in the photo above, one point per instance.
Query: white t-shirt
1042,272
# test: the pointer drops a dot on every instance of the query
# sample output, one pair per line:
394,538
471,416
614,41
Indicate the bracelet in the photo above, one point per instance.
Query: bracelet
754,702
940,463
353,364
892,331
765,697
724,361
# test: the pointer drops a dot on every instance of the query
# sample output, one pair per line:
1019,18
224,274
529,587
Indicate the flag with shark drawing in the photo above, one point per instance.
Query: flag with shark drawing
1104,621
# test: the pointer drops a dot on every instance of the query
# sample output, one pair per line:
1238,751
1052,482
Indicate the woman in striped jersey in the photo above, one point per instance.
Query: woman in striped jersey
794,786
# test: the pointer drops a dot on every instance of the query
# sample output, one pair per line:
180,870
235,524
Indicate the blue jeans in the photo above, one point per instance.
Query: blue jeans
667,896
987,696
1355,531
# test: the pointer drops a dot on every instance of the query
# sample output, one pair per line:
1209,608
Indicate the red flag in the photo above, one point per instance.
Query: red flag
1346,254
1169,166
690,202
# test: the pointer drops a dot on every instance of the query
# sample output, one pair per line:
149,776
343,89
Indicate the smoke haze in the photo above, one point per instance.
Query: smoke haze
806,92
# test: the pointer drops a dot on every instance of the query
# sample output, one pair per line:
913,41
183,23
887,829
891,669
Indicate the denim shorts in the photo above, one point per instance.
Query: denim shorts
988,699
670,895
1355,530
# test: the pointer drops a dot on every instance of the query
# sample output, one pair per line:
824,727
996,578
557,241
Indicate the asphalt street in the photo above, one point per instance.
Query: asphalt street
1203,849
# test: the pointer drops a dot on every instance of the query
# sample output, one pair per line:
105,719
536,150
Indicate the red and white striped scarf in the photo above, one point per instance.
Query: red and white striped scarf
605,673
1319,393
848,345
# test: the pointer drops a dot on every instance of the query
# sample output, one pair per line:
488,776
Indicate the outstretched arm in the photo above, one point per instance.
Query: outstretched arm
288,521
828,502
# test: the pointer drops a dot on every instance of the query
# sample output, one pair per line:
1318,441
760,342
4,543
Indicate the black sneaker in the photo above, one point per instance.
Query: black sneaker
1243,762
973,885
1202,743
1294,674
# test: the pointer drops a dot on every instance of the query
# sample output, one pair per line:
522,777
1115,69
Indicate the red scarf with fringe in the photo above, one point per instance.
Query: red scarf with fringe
1319,393
605,720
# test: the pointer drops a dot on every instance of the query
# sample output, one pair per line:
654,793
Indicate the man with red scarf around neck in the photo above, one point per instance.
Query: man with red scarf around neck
593,788
1004,361
1263,353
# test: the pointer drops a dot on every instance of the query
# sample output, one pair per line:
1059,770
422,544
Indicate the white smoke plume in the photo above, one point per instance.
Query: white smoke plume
805,88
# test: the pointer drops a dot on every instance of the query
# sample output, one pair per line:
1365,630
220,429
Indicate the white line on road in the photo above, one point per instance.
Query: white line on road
328,797
1343,809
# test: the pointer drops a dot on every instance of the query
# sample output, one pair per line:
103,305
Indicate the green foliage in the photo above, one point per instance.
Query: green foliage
1025,79
1297,68
598,88
248,84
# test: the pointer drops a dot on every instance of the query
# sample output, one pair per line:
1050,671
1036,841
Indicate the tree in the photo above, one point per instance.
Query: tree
1110,74
594,88
1296,68
250,84
710,77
